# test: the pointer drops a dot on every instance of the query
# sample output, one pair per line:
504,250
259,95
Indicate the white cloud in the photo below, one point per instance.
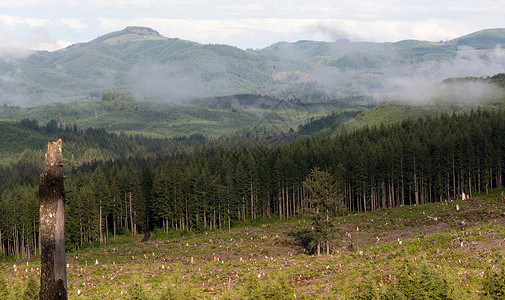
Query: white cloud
33,40
34,22
74,24
433,30
12,22
16,53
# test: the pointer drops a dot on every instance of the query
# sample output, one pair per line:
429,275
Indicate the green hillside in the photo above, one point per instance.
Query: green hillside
449,101
211,117
140,60
394,112
12,146
25,143
113,61
357,55
483,39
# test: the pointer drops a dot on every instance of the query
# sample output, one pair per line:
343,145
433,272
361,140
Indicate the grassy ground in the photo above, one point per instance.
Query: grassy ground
456,246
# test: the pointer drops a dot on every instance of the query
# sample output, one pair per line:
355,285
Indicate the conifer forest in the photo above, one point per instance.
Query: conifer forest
217,185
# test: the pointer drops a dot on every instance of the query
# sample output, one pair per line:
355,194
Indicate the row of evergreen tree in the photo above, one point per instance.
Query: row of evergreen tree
218,185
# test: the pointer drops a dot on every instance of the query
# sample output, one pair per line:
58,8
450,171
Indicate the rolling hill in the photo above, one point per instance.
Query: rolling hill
212,117
482,39
142,61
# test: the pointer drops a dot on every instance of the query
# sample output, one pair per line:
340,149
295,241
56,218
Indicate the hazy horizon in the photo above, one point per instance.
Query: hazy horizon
255,24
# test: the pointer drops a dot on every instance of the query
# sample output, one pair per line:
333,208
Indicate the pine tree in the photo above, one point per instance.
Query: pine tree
328,201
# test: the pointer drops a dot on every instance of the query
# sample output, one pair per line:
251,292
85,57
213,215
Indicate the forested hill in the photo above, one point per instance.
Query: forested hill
22,158
215,117
142,61
216,186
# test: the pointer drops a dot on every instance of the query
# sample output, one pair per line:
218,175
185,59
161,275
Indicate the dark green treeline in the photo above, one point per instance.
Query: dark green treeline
219,185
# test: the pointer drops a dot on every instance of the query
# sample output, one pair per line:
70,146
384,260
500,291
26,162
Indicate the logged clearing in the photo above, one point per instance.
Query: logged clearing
372,249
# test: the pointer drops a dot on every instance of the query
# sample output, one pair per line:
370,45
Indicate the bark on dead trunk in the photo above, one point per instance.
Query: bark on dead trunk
53,279
147,233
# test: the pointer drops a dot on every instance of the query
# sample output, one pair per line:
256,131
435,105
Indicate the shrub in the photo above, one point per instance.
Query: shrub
136,291
4,292
420,282
307,238
414,282
176,290
392,292
17,291
494,284
365,290
32,289
274,287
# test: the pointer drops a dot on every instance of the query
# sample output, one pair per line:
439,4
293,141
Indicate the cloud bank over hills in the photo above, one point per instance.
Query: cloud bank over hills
143,61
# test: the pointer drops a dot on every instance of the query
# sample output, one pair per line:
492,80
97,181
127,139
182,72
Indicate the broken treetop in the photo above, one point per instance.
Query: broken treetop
53,155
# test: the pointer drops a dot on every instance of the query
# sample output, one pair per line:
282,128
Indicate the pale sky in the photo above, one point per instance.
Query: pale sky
55,24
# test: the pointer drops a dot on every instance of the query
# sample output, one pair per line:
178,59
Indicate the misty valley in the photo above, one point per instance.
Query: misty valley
312,170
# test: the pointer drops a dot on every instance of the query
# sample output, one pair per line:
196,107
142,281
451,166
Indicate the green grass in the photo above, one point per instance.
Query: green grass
262,259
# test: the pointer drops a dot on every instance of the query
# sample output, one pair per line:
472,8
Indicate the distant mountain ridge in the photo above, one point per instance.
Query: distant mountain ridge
483,39
140,60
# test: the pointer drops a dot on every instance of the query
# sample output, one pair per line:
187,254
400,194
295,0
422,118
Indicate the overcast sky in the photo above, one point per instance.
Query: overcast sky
54,24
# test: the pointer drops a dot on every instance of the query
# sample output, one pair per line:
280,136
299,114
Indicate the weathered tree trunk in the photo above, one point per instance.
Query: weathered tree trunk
286,202
126,211
34,237
204,220
229,221
131,216
293,200
114,220
106,228
280,205
80,230
469,184
416,188
16,241
252,202
147,233
100,223
53,279
453,179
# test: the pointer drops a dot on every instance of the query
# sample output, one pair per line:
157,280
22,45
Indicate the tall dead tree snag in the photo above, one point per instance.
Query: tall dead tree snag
53,277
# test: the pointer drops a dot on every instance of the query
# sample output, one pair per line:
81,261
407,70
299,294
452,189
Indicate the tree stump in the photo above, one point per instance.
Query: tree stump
147,233
53,276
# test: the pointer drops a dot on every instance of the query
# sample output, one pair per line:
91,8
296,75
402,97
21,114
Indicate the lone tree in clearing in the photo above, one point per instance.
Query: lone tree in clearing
328,201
